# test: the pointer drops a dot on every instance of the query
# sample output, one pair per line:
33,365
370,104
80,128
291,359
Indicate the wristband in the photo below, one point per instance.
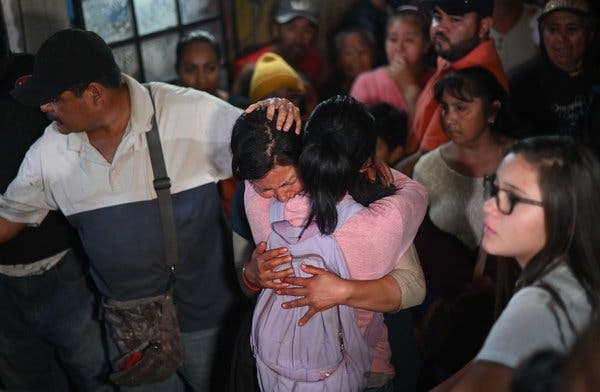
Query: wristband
249,285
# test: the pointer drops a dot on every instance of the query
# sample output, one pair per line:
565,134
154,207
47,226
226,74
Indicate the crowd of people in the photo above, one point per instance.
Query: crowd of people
415,210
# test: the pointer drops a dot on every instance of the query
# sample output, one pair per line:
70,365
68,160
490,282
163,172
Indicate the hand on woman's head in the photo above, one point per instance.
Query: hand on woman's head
288,114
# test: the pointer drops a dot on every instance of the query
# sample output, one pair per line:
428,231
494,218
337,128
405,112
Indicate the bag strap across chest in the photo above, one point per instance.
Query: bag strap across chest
162,186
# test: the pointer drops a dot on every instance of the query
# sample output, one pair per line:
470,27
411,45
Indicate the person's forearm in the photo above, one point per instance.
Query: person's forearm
380,295
9,230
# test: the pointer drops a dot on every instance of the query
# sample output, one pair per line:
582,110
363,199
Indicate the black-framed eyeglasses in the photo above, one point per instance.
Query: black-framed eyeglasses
505,199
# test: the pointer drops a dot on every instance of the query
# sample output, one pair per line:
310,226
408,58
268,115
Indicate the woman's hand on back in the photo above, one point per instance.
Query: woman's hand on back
260,271
320,292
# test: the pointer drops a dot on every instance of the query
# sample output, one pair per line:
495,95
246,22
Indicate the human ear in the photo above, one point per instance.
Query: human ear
485,25
96,92
494,109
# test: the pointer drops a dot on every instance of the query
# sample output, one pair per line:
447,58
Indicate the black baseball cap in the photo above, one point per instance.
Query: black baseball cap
69,57
460,7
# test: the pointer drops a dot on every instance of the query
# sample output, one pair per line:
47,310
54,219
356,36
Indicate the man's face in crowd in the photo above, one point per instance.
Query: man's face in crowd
296,37
454,36
69,111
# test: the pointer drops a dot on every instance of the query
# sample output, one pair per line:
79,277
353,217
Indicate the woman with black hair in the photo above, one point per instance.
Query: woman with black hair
542,212
338,150
476,117
198,63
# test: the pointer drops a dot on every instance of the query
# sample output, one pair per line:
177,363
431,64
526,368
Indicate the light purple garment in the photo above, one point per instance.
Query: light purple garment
328,353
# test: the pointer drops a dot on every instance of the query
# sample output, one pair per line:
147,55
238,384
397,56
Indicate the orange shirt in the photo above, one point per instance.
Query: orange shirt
427,132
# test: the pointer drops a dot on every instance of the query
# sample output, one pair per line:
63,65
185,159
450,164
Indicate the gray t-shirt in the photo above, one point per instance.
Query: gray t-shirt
533,321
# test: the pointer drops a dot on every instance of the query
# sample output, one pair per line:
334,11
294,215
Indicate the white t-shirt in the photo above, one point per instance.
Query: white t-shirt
533,321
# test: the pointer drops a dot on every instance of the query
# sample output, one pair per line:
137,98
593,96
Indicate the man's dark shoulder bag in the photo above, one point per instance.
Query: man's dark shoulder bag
146,330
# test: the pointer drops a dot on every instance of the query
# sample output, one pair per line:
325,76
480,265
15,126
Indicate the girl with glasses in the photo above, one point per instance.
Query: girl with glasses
543,213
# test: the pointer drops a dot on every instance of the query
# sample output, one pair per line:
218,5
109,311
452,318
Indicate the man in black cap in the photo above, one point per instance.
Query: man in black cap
92,164
48,335
460,35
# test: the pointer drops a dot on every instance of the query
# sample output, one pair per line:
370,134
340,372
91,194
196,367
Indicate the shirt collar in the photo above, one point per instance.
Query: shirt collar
141,106
139,119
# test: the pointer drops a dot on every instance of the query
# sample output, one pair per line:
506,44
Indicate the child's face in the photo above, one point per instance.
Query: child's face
464,121
405,39
356,55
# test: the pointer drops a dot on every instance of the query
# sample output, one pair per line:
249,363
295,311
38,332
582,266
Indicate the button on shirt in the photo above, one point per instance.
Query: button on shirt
113,208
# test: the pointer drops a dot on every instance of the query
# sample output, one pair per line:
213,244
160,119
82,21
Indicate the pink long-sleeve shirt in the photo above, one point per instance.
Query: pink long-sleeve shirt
371,241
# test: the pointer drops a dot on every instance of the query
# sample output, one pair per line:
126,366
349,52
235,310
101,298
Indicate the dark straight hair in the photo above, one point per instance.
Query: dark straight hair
257,146
339,139
568,177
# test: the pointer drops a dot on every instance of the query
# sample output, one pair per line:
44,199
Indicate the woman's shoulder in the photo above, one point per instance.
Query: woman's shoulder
429,165
562,279
518,333
557,291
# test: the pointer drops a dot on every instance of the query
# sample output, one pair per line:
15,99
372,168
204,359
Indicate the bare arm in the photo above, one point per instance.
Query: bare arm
405,78
479,376
9,230
325,289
